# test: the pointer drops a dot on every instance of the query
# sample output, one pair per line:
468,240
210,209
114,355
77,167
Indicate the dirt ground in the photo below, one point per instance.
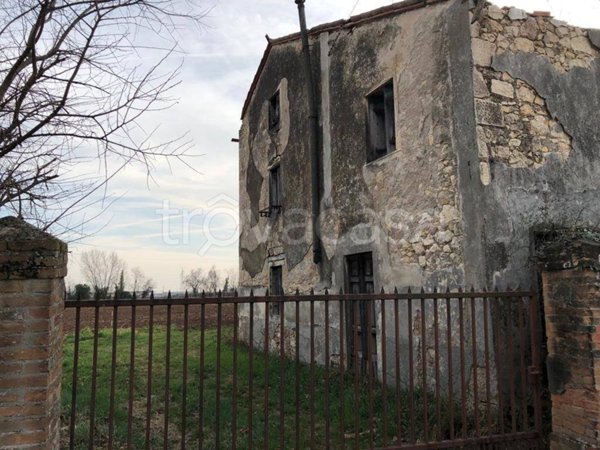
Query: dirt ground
143,315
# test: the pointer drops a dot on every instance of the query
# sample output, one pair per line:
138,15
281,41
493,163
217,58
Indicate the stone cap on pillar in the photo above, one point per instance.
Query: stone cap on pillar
570,249
28,252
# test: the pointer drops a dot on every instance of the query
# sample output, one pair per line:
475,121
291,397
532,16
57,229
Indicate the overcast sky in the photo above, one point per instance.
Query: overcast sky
219,66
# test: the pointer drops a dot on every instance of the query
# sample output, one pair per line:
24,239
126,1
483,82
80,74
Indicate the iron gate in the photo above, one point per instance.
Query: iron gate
454,370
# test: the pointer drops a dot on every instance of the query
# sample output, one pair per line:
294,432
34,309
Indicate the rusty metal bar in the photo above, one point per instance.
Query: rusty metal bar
450,367
327,375
397,369
149,375
234,405
266,379
463,387
131,379
436,340
94,380
522,365
411,371
218,392
475,365
511,369
113,373
498,352
291,298
312,373
370,375
281,375
488,390
535,370
481,442
167,380
185,374
250,374
384,373
201,381
297,379
355,325
74,380
424,367
342,388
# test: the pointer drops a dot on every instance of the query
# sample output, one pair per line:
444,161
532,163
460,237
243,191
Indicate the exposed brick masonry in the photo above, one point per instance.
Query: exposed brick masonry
32,268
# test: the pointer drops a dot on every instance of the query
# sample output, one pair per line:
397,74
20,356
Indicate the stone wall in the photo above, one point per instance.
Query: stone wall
32,267
537,150
514,125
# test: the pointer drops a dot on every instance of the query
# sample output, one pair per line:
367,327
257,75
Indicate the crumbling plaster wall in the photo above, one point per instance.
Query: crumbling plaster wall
536,95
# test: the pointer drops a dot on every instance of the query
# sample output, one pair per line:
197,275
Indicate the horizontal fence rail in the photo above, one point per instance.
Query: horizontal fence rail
389,370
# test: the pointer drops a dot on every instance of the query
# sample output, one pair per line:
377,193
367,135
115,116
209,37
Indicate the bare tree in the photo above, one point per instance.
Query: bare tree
194,280
140,282
102,270
213,280
74,82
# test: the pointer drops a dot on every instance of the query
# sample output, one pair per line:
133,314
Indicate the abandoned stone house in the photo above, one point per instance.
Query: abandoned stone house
450,137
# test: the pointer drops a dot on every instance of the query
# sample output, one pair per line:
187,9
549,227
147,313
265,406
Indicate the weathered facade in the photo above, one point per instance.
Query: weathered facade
495,138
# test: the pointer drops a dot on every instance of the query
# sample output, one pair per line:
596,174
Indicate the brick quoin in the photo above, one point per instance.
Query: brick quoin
571,286
33,265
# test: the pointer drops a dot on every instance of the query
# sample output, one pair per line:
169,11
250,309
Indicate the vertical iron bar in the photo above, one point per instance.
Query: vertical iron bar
436,339
463,387
488,390
397,369
511,365
499,362
342,387
312,370
131,378
297,380
424,366
266,377
74,381
251,374
411,370
281,373
370,370
327,358
185,373
475,364
356,369
535,363
218,393
113,373
201,385
450,368
167,379
94,379
149,376
384,373
523,366
234,405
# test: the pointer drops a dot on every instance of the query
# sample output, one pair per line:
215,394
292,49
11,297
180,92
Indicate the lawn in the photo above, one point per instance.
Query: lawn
266,377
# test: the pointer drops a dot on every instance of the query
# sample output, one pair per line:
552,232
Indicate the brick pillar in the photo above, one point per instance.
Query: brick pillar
33,265
571,285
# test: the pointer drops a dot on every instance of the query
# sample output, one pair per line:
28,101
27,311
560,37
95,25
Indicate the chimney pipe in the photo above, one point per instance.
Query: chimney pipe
313,119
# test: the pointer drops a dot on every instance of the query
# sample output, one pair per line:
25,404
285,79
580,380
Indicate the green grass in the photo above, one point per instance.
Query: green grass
261,372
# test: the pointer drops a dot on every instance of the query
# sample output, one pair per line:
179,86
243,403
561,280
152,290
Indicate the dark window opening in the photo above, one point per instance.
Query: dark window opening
275,190
381,122
274,112
275,288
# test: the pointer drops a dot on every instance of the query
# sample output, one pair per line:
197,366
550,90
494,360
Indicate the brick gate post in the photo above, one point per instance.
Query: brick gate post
33,265
571,285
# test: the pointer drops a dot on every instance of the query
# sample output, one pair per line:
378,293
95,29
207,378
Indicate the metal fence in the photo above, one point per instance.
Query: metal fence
388,370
